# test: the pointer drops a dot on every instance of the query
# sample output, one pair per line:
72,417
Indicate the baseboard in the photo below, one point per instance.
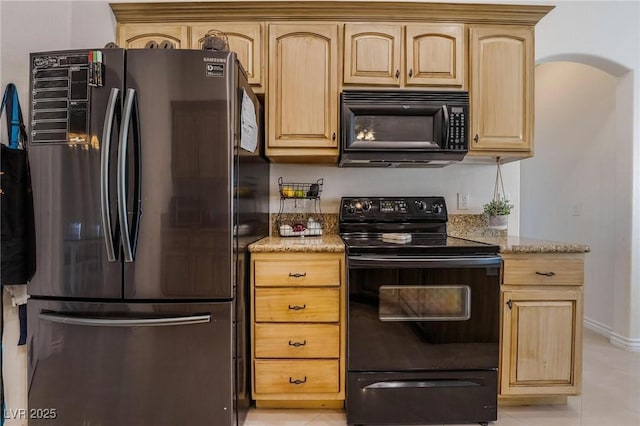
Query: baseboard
631,345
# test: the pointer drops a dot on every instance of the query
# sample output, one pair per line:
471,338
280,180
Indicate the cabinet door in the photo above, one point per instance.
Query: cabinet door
138,36
435,55
501,92
302,99
372,54
244,38
541,342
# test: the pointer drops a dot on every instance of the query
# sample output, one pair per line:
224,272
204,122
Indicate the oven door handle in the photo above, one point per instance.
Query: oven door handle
423,261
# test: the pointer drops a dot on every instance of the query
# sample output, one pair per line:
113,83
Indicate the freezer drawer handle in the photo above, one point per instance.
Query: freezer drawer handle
297,381
125,322
297,308
546,274
296,275
298,344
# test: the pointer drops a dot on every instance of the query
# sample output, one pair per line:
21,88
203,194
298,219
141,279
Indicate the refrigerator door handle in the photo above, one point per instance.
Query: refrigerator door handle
125,322
104,173
128,238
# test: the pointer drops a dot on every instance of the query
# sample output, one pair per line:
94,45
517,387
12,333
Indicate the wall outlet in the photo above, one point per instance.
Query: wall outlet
463,201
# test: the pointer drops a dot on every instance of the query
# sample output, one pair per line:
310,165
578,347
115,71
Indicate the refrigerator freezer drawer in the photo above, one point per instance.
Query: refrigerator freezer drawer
131,364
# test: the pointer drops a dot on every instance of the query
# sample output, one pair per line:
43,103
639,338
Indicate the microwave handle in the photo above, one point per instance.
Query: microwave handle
446,126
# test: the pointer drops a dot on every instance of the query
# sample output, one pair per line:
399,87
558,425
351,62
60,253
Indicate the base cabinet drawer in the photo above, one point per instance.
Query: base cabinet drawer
297,305
308,376
297,341
322,272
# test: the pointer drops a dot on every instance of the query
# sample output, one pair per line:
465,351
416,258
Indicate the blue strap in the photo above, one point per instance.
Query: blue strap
15,126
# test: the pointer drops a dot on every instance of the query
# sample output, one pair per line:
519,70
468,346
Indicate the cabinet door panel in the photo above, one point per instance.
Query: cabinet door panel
542,342
138,35
372,54
435,55
244,38
302,96
501,88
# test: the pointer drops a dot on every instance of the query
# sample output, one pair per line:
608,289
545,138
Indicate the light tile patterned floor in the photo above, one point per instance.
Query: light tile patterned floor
610,397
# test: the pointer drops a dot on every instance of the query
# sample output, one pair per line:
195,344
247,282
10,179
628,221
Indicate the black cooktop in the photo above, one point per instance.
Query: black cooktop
402,225
420,244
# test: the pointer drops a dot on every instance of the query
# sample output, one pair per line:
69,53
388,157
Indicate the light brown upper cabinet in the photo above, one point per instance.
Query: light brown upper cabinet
302,100
140,35
501,92
245,39
431,55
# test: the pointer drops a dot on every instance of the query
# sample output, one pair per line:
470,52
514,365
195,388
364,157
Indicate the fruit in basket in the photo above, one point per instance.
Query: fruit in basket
288,192
314,190
298,227
300,193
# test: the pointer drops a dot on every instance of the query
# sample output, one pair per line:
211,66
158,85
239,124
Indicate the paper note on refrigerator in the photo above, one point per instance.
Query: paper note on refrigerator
249,125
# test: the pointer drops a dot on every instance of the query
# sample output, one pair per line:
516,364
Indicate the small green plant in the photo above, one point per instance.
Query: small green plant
497,207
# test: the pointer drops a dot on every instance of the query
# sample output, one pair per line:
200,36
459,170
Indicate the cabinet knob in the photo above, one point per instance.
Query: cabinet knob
476,138
297,381
510,304
546,274
410,72
333,137
397,74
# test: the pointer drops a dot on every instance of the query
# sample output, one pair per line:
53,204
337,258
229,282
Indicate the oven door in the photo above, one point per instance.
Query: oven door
422,340
410,313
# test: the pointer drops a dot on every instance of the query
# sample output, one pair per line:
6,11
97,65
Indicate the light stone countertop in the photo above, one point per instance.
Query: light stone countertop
517,244
329,243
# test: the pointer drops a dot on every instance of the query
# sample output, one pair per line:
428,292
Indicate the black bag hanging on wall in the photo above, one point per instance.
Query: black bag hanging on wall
17,239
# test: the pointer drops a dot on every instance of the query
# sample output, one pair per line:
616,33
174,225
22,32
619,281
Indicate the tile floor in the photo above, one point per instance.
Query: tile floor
610,397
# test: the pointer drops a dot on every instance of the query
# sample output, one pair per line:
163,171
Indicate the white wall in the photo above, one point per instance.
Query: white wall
604,35
568,188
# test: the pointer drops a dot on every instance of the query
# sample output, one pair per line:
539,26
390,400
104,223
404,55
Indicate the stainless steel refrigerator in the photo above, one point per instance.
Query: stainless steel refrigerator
149,182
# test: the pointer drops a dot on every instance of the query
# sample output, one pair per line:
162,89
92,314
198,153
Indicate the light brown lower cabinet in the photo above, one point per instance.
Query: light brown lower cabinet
298,329
542,314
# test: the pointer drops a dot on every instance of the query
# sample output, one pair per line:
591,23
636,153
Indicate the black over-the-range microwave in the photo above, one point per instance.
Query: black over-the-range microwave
403,128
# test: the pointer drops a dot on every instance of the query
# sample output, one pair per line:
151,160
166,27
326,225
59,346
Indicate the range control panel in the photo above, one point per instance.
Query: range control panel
393,209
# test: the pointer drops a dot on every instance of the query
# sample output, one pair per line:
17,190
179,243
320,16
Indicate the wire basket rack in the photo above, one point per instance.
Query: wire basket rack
298,192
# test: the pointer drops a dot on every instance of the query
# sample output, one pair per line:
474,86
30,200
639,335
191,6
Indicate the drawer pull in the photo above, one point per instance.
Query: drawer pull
297,381
546,274
297,308
296,275
298,344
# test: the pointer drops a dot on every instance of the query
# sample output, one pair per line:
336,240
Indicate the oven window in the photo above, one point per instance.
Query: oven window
424,303
386,128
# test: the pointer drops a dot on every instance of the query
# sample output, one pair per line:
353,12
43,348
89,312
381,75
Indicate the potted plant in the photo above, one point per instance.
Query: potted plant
497,212
498,209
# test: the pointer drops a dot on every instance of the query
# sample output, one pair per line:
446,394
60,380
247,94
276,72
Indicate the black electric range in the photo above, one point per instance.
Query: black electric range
403,226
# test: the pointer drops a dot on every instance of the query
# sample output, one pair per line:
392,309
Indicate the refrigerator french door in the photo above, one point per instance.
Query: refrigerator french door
136,170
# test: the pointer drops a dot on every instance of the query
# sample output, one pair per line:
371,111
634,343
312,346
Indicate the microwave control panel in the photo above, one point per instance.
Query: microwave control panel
457,140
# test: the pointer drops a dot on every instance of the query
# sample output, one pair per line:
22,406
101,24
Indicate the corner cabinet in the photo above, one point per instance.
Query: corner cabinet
501,90
431,55
302,100
542,314
298,329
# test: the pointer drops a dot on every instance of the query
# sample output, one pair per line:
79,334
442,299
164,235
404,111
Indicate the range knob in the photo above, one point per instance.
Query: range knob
366,205
421,206
436,208
350,209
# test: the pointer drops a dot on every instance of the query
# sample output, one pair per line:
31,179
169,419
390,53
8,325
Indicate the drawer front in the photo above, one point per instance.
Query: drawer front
297,341
544,269
297,305
296,376
322,272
